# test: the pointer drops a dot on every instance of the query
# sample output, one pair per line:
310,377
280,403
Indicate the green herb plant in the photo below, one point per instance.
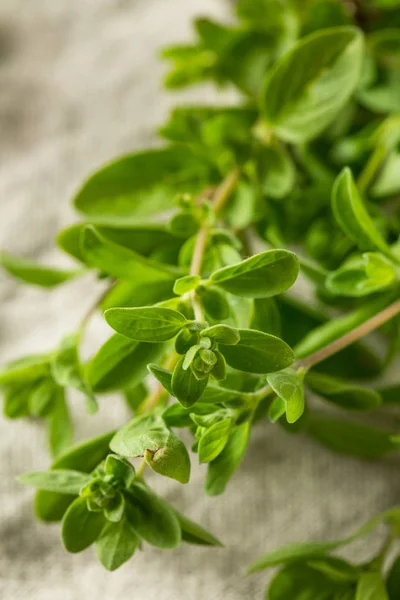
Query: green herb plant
208,247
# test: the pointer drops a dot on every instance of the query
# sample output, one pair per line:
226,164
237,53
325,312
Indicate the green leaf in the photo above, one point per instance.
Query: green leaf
67,370
148,324
306,551
172,460
143,238
300,582
163,451
393,579
388,180
116,544
120,469
60,429
390,394
212,394
275,172
186,284
34,273
335,568
371,587
190,356
121,363
50,506
163,376
16,401
25,369
351,438
122,262
193,533
258,352
152,518
129,293
352,216
266,317
276,409
116,509
186,339
214,302
244,207
80,528
382,98
64,481
221,469
134,396
296,552
138,186
288,385
360,276
223,334
379,268
42,398
184,224
262,275
323,70
185,386
346,395
214,440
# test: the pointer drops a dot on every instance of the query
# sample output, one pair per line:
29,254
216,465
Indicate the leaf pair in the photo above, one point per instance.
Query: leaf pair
300,551
288,385
30,390
309,569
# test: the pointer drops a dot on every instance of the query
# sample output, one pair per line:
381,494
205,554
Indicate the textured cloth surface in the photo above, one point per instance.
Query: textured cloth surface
80,84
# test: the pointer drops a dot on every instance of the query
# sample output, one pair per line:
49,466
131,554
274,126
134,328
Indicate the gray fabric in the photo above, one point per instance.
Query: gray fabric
80,84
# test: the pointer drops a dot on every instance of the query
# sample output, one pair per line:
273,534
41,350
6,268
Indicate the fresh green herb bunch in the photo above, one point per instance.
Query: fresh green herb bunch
200,244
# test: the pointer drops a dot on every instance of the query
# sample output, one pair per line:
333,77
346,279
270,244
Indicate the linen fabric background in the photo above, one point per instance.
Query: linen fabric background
80,83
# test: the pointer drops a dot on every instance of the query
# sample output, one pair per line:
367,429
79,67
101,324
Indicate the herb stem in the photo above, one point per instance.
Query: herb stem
225,189
92,309
371,168
341,343
198,252
220,197
354,335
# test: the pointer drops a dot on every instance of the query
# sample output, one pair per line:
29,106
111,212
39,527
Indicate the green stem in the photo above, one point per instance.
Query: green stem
225,189
346,340
92,309
352,336
220,197
371,168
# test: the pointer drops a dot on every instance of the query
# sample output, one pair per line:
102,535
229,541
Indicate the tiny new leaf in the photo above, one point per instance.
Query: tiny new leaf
288,385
